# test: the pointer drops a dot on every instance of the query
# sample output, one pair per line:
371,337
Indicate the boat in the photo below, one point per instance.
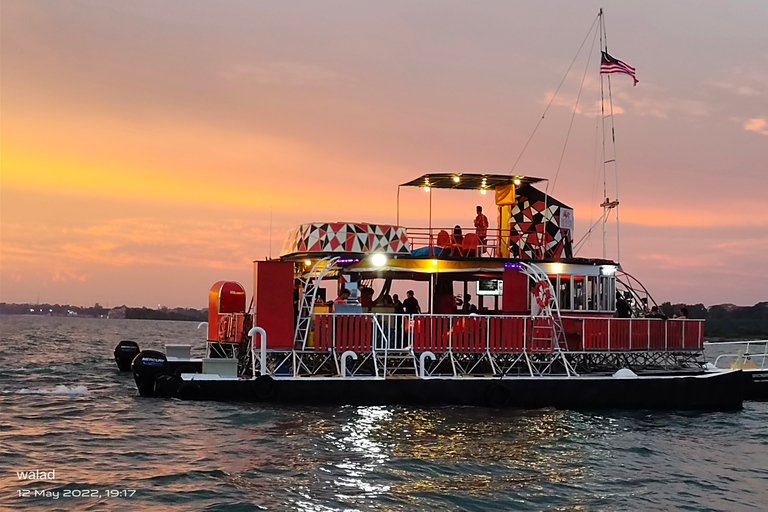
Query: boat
751,357
545,333
548,328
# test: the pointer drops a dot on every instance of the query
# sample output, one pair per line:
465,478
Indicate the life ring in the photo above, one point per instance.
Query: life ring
223,328
543,293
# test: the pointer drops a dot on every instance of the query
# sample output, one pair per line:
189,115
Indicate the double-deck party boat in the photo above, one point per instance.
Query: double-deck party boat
547,330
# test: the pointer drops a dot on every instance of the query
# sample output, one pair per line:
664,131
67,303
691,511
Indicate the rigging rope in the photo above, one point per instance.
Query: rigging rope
554,95
573,114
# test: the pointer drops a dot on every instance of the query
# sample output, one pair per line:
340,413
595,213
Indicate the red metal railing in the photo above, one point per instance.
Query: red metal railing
649,334
501,334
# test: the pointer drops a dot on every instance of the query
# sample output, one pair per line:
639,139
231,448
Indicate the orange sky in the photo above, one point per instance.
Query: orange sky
149,149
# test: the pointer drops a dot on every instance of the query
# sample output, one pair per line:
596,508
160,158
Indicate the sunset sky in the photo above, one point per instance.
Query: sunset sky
151,148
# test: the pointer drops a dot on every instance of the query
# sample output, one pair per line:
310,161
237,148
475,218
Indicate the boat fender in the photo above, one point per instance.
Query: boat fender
497,396
167,386
263,387
189,391
146,368
542,293
125,352
624,373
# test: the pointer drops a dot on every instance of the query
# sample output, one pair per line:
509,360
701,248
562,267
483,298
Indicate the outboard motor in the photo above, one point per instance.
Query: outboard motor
125,351
147,367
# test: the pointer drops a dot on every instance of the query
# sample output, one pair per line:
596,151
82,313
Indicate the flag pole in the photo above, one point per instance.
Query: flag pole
608,205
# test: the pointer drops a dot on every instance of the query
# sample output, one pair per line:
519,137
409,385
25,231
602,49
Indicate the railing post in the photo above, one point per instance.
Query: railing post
262,349
609,333
685,324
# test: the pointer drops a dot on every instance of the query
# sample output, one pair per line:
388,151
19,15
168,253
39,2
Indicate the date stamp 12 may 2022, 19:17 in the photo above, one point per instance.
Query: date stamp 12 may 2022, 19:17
56,492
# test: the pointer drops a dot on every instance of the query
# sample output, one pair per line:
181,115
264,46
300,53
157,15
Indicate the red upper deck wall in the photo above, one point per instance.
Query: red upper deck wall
273,301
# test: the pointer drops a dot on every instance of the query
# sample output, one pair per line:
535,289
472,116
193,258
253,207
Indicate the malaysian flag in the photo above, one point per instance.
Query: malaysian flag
610,65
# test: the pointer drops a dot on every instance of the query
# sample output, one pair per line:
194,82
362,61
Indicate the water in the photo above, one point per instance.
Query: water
64,407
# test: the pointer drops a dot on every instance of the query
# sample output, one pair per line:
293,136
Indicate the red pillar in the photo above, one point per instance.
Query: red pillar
514,300
273,301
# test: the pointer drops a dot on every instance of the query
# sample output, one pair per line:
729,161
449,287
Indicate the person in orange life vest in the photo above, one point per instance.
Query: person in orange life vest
481,227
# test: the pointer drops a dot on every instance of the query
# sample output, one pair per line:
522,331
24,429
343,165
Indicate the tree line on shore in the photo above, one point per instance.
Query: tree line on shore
98,311
724,321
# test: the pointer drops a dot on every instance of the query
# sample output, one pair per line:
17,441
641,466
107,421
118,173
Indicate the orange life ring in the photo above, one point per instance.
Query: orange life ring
542,293
223,328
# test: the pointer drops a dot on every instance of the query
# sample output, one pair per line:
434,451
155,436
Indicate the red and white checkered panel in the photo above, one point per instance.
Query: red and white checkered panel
341,237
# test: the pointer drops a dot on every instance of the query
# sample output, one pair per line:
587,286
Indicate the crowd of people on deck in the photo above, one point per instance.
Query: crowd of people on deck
623,310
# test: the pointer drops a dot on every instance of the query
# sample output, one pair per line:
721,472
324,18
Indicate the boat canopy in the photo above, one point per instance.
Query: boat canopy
467,181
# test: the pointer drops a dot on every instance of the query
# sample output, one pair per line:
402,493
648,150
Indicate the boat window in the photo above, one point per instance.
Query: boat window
591,293
564,285
607,293
578,292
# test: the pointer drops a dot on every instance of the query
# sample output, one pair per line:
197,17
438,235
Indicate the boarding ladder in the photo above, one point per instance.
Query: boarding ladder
304,319
547,325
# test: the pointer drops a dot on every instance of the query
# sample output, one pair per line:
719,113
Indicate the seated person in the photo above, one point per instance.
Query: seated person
343,296
458,237
655,313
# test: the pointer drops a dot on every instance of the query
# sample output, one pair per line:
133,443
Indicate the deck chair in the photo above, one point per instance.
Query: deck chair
469,245
443,241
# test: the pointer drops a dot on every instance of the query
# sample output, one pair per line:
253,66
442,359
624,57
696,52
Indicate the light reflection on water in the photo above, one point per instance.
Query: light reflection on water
216,456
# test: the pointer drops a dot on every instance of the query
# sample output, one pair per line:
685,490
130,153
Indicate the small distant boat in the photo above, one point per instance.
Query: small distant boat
548,329
751,357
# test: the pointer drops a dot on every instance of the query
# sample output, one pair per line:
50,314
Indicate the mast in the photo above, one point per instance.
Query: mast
608,205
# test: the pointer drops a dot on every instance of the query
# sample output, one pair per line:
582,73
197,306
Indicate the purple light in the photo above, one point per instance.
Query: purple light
351,260
513,265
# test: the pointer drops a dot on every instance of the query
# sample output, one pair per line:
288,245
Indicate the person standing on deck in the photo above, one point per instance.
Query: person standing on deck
399,309
622,307
410,304
481,227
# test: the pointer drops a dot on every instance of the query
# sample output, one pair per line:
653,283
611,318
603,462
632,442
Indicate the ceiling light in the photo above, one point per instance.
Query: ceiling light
379,259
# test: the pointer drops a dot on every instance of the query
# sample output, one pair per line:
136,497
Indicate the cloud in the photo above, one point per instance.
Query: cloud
738,89
758,125
67,276
746,81
288,73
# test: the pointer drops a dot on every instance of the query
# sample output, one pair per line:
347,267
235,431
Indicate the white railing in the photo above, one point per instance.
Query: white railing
746,356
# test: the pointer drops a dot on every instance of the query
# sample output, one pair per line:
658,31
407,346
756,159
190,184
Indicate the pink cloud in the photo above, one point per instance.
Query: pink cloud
758,125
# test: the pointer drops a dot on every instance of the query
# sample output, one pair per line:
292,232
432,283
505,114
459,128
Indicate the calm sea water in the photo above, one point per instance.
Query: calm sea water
65,408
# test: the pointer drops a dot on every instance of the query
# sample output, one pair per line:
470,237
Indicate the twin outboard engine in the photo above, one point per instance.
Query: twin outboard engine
147,367
125,352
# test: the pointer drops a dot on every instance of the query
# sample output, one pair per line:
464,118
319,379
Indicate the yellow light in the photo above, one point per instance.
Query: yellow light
307,262
426,189
557,268
516,182
434,262
483,191
379,259
456,179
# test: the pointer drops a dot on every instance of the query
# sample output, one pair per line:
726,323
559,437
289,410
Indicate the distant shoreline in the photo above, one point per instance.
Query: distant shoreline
724,322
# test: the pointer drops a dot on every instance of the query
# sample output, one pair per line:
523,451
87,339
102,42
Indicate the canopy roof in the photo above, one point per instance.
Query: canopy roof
468,181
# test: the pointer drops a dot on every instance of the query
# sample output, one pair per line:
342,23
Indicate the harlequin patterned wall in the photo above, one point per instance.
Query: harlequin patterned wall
332,237
536,230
